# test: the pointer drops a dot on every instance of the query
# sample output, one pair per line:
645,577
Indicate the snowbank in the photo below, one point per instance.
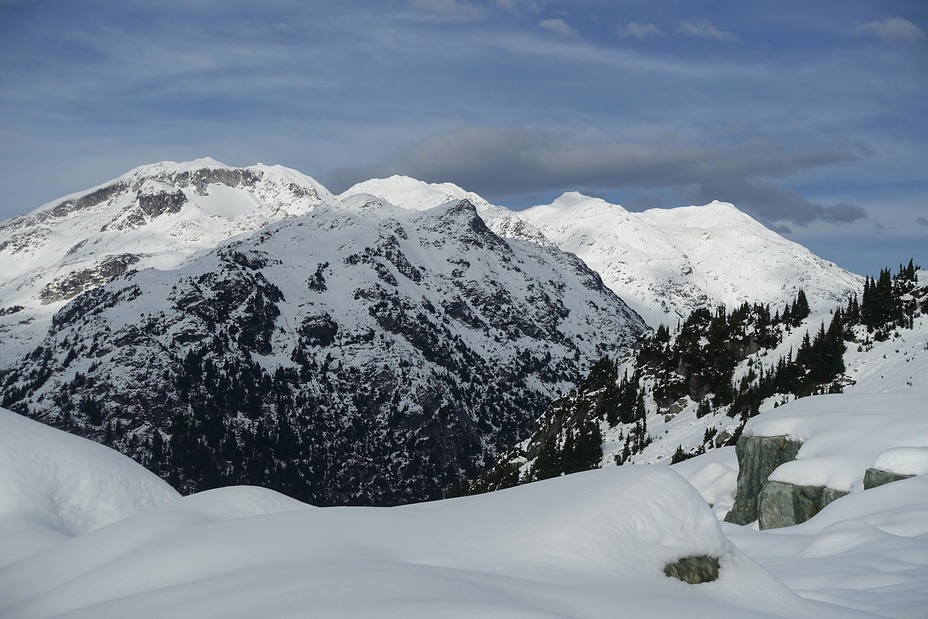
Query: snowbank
69,484
866,551
714,474
903,461
587,545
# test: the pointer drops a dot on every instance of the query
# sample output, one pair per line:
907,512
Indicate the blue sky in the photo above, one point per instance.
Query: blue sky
810,116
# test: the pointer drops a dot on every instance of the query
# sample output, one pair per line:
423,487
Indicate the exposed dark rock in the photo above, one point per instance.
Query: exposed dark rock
202,178
782,504
155,204
758,457
877,477
77,282
89,199
318,330
694,570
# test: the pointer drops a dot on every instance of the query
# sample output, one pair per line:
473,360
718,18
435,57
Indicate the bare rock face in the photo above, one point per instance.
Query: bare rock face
694,570
758,457
876,477
77,282
782,504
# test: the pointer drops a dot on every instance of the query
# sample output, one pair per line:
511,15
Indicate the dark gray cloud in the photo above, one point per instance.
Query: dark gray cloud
499,162
643,203
921,221
773,202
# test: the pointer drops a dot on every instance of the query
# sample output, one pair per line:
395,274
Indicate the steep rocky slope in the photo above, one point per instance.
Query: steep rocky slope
359,354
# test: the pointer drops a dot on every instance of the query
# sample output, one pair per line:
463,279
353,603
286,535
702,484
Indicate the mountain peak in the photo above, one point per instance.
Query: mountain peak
412,193
172,167
715,214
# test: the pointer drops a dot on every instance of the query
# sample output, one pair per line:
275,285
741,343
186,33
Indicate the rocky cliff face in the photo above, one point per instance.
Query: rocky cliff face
359,354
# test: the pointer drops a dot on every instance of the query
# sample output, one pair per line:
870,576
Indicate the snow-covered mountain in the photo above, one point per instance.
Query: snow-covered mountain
668,262
663,262
418,195
153,216
382,286
360,353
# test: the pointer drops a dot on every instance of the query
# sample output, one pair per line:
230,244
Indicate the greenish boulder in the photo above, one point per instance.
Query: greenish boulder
694,570
782,504
758,457
878,477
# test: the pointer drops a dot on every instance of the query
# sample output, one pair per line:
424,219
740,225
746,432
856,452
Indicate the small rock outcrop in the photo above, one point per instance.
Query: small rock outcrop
874,477
76,282
694,570
758,457
782,504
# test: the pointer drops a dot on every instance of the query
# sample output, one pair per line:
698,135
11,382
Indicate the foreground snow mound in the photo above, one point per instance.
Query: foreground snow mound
590,545
70,483
54,485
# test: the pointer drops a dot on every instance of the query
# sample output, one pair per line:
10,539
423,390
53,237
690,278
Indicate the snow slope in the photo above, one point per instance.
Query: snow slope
153,216
668,262
589,545
54,485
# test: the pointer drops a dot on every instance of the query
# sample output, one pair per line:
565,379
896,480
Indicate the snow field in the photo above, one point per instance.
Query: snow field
587,545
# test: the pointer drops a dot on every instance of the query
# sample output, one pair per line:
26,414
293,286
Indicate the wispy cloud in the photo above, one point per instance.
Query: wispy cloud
497,162
519,7
450,9
558,26
636,30
704,29
893,29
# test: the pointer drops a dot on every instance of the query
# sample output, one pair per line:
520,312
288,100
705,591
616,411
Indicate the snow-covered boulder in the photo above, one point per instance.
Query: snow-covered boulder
795,460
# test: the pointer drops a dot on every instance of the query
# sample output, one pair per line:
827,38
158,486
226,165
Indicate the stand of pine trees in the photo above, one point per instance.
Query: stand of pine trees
696,362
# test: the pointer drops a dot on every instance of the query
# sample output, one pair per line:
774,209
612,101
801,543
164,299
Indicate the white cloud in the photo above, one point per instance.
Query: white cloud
894,29
636,30
451,9
518,7
559,26
704,29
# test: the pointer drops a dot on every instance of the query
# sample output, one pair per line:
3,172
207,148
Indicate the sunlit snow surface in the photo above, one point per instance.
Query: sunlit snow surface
587,545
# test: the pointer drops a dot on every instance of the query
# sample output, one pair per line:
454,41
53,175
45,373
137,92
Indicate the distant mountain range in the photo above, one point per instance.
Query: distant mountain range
244,325
663,262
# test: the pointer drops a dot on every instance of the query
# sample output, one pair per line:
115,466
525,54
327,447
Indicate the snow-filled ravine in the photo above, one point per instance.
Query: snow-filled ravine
87,533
